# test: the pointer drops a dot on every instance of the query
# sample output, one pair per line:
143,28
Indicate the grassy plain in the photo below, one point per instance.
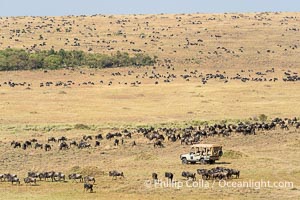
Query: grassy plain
41,112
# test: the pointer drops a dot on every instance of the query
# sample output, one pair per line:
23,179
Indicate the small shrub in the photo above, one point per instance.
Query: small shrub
263,117
81,126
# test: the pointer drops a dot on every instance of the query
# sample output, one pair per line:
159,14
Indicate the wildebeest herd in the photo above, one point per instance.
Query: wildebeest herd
33,177
156,77
217,173
158,136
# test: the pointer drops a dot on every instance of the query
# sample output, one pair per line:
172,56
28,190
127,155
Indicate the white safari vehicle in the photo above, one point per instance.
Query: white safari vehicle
202,153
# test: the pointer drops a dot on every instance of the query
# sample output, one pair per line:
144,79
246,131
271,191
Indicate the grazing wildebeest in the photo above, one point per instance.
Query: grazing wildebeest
48,175
47,147
158,144
33,140
83,144
234,172
73,143
127,134
30,180
218,173
169,175
97,143
87,137
63,145
154,177
14,180
88,186
189,175
89,179
115,174
99,137
7,177
58,176
37,145
51,139
33,174
16,144
75,177
24,146
62,139
28,143
116,142
109,136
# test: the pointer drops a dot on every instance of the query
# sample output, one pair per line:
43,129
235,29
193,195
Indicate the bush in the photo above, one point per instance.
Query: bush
263,117
81,126
18,59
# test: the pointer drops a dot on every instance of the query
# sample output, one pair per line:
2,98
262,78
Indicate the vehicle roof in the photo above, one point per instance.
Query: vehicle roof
206,145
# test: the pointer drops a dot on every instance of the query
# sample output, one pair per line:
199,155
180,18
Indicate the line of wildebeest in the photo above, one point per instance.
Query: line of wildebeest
33,177
189,135
169,76
217,173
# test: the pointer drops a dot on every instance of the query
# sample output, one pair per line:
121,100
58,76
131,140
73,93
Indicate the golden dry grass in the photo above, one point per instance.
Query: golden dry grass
147,103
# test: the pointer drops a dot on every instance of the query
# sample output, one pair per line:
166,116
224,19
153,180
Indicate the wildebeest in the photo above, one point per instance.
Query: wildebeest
37,145
28,143
112,135
189,175
88,186
63,145
14,179
169,175
74,143
116,142
24,146
127,134
62,139
218,173
87,137
99,137
51,139
30,180
83,144
58,176
47,147
89,179
115,174
49,175
8,177
75,177
16,144
158,144
97,143
154,177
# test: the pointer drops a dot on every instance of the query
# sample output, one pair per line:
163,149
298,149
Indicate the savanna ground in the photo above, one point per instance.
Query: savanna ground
41,112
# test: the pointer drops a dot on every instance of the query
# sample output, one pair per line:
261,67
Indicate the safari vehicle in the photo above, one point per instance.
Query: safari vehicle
202,153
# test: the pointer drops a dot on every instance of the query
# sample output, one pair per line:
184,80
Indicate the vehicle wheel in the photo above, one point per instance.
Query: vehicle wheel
220,153
212,162
202,161
184,161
